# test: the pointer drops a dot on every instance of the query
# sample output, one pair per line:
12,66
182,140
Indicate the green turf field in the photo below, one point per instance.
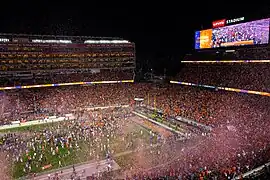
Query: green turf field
74,155
37,127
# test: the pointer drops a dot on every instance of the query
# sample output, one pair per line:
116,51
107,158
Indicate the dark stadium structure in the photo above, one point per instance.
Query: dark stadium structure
258,52
34,59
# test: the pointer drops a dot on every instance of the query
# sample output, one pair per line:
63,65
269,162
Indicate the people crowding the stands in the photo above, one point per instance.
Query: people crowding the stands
247,76
68,77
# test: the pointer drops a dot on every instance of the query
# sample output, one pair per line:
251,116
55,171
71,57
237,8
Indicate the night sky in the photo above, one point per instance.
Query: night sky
163,32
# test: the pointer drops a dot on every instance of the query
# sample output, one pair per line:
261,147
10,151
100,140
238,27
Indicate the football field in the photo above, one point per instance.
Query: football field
50,146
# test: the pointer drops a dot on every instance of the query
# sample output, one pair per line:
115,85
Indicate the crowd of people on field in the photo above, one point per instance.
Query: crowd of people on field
239,141
89,135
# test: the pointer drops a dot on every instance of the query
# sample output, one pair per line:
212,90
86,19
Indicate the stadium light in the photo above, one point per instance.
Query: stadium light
4,40
228,61
64,84
105,41
222,88
51,41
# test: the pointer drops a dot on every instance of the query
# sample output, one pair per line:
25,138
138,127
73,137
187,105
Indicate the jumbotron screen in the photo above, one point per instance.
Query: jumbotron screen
249,33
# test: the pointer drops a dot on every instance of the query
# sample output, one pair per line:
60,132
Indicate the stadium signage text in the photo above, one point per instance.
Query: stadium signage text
235,20
219,23
223,22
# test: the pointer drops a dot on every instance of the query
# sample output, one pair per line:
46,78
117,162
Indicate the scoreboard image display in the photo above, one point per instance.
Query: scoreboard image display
249,33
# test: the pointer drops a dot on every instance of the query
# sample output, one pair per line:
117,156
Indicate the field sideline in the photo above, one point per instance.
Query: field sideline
52,119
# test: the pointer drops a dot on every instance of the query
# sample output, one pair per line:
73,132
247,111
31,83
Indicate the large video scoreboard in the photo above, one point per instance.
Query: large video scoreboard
248,33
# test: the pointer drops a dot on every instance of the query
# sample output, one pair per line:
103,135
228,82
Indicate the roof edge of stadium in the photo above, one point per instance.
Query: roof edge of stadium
58,36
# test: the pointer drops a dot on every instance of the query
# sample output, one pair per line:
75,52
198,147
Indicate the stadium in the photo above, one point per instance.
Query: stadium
71,109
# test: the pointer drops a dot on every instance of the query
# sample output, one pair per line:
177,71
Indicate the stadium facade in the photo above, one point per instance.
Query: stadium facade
37,56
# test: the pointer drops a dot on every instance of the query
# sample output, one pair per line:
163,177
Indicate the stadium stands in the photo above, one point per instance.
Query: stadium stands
28,59
249,76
